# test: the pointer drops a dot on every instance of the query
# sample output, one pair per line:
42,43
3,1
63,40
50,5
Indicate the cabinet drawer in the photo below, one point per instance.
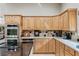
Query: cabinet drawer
67,54
70,50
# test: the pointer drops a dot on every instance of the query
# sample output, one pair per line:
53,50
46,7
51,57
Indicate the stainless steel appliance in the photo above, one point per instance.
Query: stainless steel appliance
12,36
12,31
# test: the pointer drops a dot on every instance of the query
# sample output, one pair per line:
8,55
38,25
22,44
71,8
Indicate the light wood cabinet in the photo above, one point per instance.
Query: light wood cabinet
44,46
13,19
40,46
67,54
70,50
28,23
76,53
57,52
68,20
65,21
72,13
61,49
51,46
55,23
48,23
60,22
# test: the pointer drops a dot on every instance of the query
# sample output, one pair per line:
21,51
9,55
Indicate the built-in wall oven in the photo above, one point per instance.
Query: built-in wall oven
12,36
12,31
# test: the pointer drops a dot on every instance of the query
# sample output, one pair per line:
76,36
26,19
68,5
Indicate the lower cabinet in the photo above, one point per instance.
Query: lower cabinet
57,51
61,49
69,50
44,46
52,46
67,53
76,53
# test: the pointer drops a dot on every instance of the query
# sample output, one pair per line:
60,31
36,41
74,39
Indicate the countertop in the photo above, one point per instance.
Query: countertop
70,43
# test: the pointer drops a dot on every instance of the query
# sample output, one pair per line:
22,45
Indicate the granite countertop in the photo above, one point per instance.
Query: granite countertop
73,44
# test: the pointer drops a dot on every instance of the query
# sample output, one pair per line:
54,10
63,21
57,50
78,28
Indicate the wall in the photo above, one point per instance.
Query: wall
30,9
72,5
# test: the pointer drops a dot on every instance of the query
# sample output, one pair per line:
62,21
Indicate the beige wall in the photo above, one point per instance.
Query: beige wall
30,9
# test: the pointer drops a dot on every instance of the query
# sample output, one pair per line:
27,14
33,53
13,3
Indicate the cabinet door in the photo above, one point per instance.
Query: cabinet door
69,50
55,23
28,23
50,23
37,23
62,49
13,19
60,22
65,21
76,53
67,54
41,46
41,23
57,48
25,23
46,23
31,23
51,46
72,19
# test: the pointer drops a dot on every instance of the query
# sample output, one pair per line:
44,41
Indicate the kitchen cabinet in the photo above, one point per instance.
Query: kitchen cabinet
76,53
60,22
28,23
69,51
57,47
36,24
65,21
51,46
55,23
44,46
48,23
72,13
13,19
40,46
68,20
61,48
67,54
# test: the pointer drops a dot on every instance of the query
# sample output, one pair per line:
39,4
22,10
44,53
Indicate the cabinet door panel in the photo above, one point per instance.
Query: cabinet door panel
76,53
41,46
57,48
25,23
55,23
62,49
65,21
60,22
73,19
51,45
67,54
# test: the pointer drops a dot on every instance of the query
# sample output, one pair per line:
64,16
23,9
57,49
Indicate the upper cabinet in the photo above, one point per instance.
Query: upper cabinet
67,21
13,19
37,23
28,23
72,13
55,22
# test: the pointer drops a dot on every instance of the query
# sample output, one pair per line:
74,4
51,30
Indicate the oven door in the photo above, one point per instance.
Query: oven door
12,32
